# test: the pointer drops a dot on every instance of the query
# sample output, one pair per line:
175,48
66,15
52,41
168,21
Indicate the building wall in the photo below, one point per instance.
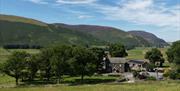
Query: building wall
117,68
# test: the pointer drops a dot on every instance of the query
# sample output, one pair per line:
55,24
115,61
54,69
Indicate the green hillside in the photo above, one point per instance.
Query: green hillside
109,34
151,38
19,30
12,18
28,31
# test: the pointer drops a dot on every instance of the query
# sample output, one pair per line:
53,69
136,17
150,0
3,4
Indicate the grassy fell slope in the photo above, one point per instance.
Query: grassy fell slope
18,30
109,34
12,18
151,38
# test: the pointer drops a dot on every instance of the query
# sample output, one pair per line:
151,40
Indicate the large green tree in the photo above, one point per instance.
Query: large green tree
44,64
155,55
84,62
59,61
173,55
117,50
15,65
31,67
100,54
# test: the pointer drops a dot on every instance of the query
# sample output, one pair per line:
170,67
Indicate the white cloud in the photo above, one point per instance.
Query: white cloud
75,1
38,1
84,16
143,12
138,4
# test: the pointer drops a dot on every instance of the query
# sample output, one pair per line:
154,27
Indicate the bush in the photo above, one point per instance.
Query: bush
166,73
135,73
151,78
174,75
150,67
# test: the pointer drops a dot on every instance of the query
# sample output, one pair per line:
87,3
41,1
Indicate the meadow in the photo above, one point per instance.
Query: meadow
141,86
139,52
5,53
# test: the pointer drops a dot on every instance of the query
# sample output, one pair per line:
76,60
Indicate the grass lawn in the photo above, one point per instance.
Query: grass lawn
5,53
142,86
139,52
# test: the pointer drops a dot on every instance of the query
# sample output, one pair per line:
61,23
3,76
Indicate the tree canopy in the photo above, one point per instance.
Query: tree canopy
53,62
155,55
100,54
117,50
84,62
59,60
15,65
173,55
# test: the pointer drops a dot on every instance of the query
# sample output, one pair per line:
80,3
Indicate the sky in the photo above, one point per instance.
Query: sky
160,17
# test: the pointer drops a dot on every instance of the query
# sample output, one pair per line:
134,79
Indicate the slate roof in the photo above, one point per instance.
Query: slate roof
117,60
137,61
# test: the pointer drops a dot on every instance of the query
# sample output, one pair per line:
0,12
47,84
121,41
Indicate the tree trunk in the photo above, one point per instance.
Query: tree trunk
17,81
82,77
161,64
59,79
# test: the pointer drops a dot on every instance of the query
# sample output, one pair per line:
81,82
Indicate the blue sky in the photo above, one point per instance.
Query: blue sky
160,17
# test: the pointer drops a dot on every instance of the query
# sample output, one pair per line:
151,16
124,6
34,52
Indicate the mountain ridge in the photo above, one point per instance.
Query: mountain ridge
16,29
150,37
106,33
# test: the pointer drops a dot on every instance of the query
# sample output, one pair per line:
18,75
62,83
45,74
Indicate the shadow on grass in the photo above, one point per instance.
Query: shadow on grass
37,82
71,82
88,81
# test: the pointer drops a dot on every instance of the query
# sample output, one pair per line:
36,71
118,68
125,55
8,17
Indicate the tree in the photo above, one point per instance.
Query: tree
117,50
173,55
155,55
44,63
32,67
100,54
84,62
59,60
15,65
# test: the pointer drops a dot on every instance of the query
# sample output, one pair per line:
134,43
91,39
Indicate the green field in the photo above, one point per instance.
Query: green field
141,86
5,53
139,52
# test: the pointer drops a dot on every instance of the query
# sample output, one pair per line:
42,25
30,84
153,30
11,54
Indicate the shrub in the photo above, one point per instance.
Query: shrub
151,78
166,73
150,67
135,73
174,75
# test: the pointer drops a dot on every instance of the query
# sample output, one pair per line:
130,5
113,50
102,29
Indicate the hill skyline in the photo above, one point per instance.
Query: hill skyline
21,30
